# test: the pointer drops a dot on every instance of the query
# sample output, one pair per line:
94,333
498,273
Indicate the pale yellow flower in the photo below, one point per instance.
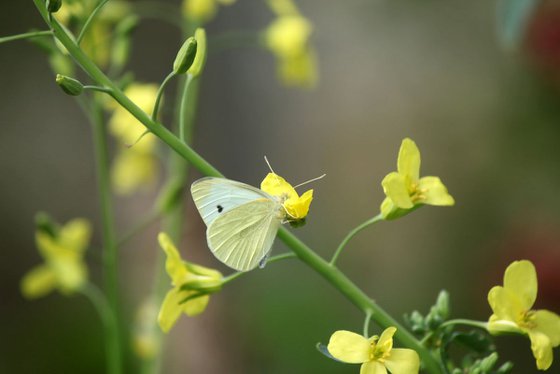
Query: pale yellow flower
512,305
376,354
288,38
202,11
192,285
296,206
64,268
405,189
135,165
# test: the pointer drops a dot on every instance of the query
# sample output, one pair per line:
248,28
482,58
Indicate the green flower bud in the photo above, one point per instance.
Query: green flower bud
53,5
44,223
185,56
488,363
505,368
200,57
69,85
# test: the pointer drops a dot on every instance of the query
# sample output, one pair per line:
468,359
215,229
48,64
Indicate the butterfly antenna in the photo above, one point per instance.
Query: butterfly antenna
311,180
268,163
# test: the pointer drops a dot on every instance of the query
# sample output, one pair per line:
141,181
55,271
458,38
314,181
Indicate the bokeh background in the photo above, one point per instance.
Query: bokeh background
486,120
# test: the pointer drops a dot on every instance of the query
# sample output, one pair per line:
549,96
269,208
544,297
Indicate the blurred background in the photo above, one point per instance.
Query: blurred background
487,122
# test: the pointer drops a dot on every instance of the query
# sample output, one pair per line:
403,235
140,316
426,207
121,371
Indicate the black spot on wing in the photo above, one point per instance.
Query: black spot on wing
220,208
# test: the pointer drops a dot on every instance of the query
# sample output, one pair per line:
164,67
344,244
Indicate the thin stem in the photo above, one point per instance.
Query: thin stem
187,109
109,241
283,256
306,254
27,35
366,324
160,94
351,234
139,227
89,20
107,318
98,88
465,322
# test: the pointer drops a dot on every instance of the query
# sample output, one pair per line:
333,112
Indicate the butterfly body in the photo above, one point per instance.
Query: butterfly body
242,221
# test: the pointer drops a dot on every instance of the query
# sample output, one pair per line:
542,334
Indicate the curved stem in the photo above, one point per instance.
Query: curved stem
283,256
160,94
351,234
98,89
187,109
27,35
109,324
89,20
465,322
306,254
366,325
107,218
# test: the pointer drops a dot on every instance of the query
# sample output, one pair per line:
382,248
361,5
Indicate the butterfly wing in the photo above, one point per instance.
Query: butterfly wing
216,196
243,236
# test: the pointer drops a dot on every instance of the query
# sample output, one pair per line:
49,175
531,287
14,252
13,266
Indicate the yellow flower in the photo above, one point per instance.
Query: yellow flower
64,268
192,285
406,190
202,11
288,38
146,337
376,354
296,206
136,166
512,304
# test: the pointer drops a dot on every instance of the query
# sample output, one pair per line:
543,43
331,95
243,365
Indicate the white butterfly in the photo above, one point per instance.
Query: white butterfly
242,221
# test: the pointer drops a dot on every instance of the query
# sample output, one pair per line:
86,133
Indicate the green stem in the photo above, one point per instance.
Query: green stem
160,94
366,325
352,233
465,322
98,89
89,20
357,297
109,241
139,227
283,256
109,324
27,35
308,256
187,109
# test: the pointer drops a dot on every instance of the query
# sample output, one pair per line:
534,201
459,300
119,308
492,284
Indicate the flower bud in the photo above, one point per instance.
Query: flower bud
200,56
185,56
53,5
69,85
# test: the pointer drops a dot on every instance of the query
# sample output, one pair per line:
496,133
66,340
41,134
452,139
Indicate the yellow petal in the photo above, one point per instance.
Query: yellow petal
133,170
520,278
287,36
385,342
299,70
395,187
387,207
202,270
195,306
349,347
200,11
505,305
174,264
70,274
38,282
542,349
548,323
46,245
408,163
433,192
373,367
170,309
275,185
297,208
75,234
403,361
